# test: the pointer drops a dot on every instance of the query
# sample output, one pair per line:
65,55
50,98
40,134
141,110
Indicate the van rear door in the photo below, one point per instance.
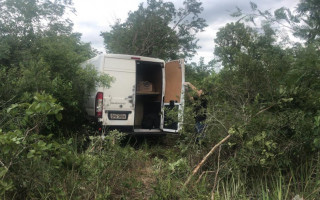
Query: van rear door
173,100
119,98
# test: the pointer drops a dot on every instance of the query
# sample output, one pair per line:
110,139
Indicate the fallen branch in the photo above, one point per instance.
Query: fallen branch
265,109
196,169
205,172
3,165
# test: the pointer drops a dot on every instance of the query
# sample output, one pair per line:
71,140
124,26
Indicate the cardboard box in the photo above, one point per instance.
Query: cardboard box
144,86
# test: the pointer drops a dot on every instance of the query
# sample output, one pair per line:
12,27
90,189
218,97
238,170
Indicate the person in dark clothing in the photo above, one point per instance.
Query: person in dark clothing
200,107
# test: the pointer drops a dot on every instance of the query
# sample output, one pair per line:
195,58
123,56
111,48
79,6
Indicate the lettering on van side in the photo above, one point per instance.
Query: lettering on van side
116,103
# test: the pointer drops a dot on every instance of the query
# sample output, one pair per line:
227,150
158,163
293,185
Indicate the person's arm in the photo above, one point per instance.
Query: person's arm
189,85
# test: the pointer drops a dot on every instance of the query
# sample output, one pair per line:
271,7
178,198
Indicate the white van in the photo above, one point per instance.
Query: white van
144,90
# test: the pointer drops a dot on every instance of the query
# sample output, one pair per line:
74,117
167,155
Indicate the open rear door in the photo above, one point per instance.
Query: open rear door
173,96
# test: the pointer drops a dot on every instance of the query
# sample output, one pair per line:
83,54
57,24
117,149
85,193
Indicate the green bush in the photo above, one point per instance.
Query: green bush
37,165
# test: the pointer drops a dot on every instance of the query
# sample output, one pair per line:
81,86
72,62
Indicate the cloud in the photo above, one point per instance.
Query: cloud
95,16
217,14
219,11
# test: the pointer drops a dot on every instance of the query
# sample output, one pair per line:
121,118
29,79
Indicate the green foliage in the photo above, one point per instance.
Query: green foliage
23,23
8,85
310,15
20,141
266,96
42,90
158,30
30,160
264,88
196,73
171,116
303,23
41,53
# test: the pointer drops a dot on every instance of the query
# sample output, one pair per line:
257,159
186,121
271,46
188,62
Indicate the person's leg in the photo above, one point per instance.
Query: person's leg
200,126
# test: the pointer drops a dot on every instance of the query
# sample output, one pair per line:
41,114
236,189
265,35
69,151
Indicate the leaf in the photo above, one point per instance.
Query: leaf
287,99
253,6
69,141
281,89
281,14
13,106
317,121
6,149
37,106
31,154
29,112
262,161
236,13
59,116
231,131
3,171
42,143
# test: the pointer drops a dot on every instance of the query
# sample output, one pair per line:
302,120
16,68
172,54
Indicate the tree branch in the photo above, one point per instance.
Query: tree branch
196,169
4,165
263,110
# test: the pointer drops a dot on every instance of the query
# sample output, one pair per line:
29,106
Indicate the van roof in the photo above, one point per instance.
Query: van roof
128,57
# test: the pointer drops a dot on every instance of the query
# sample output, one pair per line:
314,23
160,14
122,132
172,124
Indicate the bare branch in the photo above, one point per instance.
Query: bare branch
263,110
196,169
205,172
4,165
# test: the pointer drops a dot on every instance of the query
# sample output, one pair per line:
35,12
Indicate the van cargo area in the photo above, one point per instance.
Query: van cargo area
148,95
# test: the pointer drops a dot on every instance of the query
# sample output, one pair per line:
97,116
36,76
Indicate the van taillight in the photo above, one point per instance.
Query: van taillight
99,104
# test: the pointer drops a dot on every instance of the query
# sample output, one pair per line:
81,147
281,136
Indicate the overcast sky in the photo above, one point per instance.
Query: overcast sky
96,16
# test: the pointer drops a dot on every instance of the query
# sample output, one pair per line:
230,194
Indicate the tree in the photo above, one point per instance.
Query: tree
232,40
266,95
196,73
157,30
22,23
305,23
309,13
39,52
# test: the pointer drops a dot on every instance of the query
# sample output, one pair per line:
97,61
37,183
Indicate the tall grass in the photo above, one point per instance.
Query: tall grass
106,169
300,183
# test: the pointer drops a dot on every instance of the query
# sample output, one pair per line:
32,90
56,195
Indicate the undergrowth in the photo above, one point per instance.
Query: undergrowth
36,165
110,169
